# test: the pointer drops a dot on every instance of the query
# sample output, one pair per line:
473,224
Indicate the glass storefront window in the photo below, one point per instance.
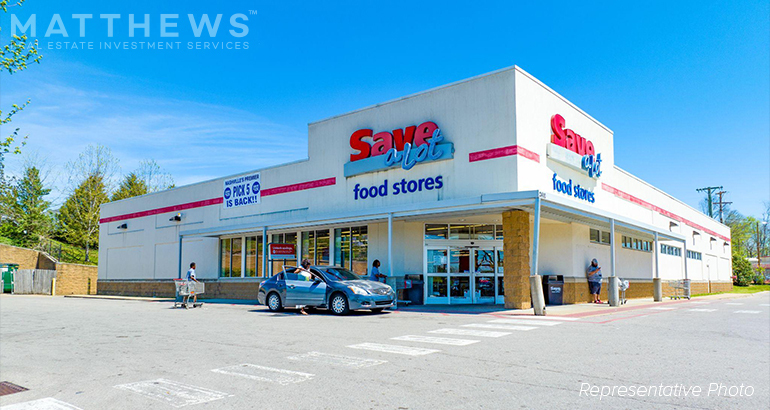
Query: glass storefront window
308,246
460,287
459,232
322,255
360,249
436,231
484,261
225,258
500,288
342,247
499,232
437,286
459,260
289,237
484,232
437,261
500,261
253,256
237,253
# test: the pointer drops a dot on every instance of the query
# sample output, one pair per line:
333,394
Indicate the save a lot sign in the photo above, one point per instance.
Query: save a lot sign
405,147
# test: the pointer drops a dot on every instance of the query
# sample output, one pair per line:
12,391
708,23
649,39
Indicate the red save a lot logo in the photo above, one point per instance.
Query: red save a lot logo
565,137
386,140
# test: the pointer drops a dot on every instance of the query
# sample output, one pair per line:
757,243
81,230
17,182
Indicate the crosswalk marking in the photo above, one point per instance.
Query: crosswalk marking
748,311
702,310
523,322
336,360
560,318
405,350
173,393
470,332
734,304
662,308
436,340
49,403
700,303
266,374
764,304
501,327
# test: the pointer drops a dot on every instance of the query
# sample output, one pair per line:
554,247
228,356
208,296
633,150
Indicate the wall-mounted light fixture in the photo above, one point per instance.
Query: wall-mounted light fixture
123,226
176,218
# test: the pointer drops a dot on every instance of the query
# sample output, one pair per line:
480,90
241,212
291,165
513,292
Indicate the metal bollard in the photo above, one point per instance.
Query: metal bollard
53,286
657,289
536,293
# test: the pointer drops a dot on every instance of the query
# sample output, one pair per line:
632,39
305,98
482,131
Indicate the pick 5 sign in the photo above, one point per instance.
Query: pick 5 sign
241,191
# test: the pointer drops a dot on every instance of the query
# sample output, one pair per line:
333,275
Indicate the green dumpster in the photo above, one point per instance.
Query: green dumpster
8,270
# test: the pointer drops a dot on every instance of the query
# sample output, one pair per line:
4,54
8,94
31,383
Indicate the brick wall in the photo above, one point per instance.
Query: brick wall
75,279
215,289
516,262
26,258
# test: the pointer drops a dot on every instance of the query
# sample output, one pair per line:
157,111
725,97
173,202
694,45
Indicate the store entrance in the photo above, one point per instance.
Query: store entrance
464,272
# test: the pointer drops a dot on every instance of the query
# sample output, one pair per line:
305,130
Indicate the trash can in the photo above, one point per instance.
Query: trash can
8,270
415,293
553,289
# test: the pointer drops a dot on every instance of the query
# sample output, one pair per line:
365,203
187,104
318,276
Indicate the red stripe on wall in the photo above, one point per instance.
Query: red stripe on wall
299,187
216,201
503,152
628,197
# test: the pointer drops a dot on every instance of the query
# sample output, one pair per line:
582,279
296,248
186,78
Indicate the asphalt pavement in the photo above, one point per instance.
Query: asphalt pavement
72,353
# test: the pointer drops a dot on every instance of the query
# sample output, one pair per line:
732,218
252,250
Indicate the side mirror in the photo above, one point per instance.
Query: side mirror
317,280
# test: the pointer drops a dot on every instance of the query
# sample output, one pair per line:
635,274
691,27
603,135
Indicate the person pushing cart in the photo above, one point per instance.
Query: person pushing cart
189,287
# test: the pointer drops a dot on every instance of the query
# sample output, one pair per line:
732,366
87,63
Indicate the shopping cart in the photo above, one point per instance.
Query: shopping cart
681,289
623,286
185,289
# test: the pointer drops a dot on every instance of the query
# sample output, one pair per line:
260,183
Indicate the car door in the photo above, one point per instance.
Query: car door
316,291
296,288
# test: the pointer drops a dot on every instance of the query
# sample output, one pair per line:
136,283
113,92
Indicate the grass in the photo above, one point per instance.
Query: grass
741,290
69,253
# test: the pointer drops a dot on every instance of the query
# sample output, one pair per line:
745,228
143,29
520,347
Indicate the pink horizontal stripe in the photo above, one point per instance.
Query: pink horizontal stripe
299,187
503,152
628,197
216,201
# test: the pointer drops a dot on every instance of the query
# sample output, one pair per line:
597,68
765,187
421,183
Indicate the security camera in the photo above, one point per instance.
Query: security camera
123,226
176,218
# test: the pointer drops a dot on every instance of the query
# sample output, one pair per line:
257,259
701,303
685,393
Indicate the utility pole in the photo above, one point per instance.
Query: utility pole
721,204
709,198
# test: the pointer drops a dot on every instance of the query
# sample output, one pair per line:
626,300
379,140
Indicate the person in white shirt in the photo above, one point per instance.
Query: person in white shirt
191,278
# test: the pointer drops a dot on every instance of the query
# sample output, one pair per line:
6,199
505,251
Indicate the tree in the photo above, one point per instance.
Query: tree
14,57
28,214
131,186
90,180
154,177
743,275
79,216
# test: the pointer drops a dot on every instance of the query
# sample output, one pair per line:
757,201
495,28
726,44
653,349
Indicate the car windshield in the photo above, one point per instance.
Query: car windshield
341,274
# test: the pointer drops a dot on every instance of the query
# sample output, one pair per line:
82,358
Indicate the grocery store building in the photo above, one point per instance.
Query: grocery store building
470,187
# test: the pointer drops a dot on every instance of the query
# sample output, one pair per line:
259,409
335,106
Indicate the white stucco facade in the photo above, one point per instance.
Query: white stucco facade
500,128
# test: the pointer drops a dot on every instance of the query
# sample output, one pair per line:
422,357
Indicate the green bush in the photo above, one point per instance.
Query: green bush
759,277
743,275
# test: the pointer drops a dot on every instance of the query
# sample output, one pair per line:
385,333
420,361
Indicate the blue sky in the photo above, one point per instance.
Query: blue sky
685,86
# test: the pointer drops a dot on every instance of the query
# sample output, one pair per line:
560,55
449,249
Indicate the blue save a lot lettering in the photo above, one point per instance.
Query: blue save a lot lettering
398,188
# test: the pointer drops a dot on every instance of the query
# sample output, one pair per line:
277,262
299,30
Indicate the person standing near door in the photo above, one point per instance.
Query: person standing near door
594,273
304,272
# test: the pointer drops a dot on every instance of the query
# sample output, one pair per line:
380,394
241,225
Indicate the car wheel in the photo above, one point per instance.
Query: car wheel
339,304
274,302
378,310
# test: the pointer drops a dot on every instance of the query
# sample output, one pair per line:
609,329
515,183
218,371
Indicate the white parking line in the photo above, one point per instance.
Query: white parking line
405,350
173,393
734,304
49,403
764,304
470,332
501,327
662,308
267,374
700,303
748,311
436,340
702,310
335,360
522,322
561,318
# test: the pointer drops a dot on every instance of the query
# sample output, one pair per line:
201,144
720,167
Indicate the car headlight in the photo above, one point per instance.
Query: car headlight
358,291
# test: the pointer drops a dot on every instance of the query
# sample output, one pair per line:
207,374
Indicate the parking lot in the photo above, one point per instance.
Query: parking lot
129,354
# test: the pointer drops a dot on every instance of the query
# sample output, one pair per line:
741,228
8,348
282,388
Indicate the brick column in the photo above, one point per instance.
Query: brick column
516,262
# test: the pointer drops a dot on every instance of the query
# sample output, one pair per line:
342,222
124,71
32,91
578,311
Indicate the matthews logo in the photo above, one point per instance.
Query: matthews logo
402,147
146,27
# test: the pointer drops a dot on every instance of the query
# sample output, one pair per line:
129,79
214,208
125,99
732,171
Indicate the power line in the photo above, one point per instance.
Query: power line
709,198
